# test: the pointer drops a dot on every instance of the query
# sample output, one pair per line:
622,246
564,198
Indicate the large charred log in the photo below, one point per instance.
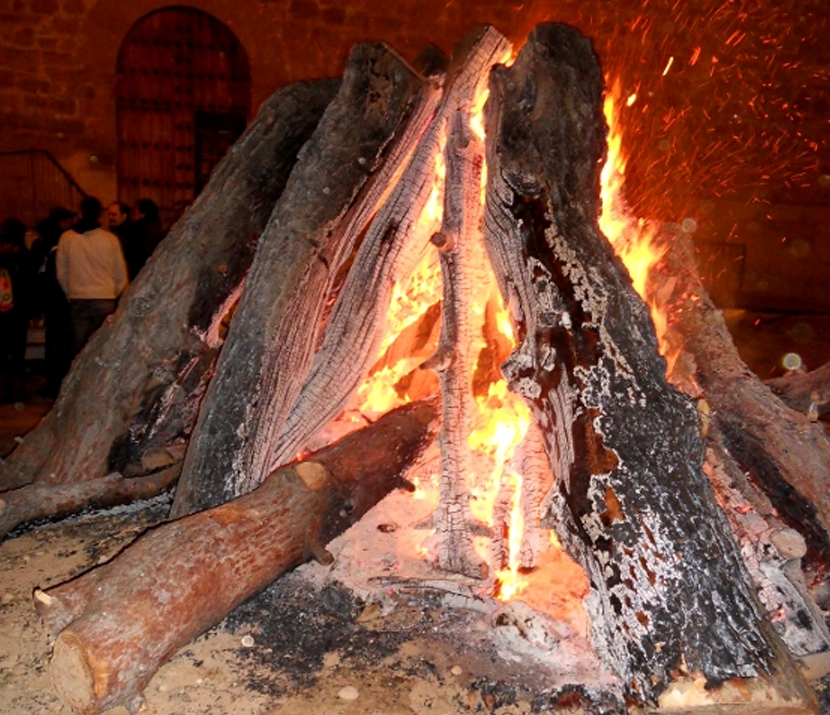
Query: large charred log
159,347
344,173
395,242
630,503
784,452
120,622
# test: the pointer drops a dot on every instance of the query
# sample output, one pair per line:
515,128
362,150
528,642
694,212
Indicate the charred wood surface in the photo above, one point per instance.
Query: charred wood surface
463,272
329,198
784,453
168,321
396,240
630,503
120,622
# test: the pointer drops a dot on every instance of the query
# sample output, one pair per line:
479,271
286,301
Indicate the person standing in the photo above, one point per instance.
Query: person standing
55,305
120,223
14,308
118,214
91,270
146,233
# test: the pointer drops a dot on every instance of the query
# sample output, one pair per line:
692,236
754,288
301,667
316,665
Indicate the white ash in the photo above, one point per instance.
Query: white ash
381,560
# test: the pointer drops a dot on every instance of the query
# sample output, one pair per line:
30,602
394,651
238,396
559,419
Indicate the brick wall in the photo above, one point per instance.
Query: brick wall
730,125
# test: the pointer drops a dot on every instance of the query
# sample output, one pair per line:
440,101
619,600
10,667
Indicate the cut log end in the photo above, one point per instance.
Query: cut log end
73,676
750,696
314,475
41,597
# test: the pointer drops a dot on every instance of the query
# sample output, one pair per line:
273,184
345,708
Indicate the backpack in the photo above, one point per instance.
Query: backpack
6,297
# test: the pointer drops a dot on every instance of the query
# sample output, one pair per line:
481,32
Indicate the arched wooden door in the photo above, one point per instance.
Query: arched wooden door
183,98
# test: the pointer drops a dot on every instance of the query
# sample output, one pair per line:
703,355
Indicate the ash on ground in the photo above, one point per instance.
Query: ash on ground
382,608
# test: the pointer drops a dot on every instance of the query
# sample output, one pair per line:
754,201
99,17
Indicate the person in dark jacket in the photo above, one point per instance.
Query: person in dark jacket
14,308
146,232
55,306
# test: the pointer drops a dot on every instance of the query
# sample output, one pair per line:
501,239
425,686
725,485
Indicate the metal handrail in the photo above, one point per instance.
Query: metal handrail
32,182
48,154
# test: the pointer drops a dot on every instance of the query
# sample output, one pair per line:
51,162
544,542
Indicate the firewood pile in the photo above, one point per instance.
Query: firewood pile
696,505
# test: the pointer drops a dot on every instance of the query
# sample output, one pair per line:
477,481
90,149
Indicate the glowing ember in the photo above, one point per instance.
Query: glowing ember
434,209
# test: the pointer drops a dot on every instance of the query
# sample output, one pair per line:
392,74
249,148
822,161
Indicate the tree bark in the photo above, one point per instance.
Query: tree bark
669,595
343,174
121,621
135,384
808,392
783,453
47,501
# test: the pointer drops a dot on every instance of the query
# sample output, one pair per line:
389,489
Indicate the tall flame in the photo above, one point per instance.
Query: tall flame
502,418
632,239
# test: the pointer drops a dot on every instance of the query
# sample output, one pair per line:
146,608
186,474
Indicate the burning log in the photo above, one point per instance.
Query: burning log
395,242
784,453
463,270
669,593
343,174
121,621
807,392
663,270
783,540
136,385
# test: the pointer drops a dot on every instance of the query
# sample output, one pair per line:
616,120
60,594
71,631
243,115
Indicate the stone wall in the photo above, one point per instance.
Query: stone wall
729,127
57,85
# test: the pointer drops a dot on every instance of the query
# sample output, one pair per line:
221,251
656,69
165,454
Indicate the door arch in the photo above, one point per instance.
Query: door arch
183,97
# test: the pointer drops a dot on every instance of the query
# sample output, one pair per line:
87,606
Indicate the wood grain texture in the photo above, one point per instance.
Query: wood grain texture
395,242
630,503
118,623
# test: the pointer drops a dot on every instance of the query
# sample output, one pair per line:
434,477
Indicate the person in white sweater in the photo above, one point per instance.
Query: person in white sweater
91,270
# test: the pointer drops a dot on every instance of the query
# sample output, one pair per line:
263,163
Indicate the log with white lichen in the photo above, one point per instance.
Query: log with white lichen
118,623
343,174
670,602
136,386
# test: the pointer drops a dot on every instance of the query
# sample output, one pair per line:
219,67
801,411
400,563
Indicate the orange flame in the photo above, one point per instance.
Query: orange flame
503,418
410,301
632,239
502,424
